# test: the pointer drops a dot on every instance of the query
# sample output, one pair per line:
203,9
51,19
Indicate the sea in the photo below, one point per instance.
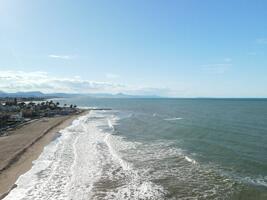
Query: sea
154,149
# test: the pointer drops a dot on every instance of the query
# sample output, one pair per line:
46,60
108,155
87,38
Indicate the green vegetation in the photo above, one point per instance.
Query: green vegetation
15,111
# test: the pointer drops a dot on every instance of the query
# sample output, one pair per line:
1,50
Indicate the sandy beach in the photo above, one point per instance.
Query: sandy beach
24,144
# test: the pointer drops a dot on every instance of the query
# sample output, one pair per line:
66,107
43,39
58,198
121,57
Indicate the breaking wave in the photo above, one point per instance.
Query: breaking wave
85,163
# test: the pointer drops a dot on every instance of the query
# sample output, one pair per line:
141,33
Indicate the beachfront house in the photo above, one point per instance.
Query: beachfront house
15,118
27,113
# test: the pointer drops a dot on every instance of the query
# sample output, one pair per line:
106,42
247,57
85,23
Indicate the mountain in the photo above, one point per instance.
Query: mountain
62,95
22,94
120,95
69,95
27,94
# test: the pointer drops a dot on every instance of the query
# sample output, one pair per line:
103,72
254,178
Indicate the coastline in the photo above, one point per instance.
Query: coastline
24,145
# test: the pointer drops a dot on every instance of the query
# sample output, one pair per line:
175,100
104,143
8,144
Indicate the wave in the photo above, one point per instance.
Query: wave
260,181
85,162
110,124
91,161
173,119
112,144
190,160
50,171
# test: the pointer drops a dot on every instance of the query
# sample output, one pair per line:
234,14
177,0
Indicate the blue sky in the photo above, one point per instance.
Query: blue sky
183,48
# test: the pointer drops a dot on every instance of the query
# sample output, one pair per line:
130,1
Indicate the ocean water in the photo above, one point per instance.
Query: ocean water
155,149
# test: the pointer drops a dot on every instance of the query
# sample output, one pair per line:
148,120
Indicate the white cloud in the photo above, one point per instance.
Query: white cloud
12,81
63,57
112,76
29,81
261,40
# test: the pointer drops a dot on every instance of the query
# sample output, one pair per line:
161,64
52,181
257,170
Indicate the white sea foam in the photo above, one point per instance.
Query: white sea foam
112,145
259,181
190,160
110,124
87,107
50,172
173,119
86,162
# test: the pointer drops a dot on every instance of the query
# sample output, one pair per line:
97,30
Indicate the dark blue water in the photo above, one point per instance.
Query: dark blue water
196,148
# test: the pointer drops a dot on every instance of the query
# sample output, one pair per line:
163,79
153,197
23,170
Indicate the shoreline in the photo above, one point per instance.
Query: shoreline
19,159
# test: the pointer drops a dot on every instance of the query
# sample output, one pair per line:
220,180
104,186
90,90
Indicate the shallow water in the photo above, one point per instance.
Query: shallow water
155,149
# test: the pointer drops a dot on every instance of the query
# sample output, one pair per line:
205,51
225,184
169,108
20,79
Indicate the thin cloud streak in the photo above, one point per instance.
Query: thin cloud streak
63,57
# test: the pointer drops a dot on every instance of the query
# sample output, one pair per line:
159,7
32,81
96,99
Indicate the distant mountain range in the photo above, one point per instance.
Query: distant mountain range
68,95
37,94
120,95
22,94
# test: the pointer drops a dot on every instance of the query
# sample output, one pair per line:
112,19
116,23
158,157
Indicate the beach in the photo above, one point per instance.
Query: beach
184,149
24,144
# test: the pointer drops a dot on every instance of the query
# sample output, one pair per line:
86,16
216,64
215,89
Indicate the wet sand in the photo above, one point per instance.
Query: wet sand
23,145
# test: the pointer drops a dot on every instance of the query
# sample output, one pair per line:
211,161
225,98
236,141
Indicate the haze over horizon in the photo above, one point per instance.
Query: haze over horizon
184,48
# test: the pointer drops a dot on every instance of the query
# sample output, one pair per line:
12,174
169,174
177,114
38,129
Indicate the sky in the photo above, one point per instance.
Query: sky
174,48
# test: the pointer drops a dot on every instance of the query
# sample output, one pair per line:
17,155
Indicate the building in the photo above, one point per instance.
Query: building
15,118
27,113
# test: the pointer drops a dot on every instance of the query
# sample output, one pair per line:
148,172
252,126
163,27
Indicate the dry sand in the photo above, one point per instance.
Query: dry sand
24,145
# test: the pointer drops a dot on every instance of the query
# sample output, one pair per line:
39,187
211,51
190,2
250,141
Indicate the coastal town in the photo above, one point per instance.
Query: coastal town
15,112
